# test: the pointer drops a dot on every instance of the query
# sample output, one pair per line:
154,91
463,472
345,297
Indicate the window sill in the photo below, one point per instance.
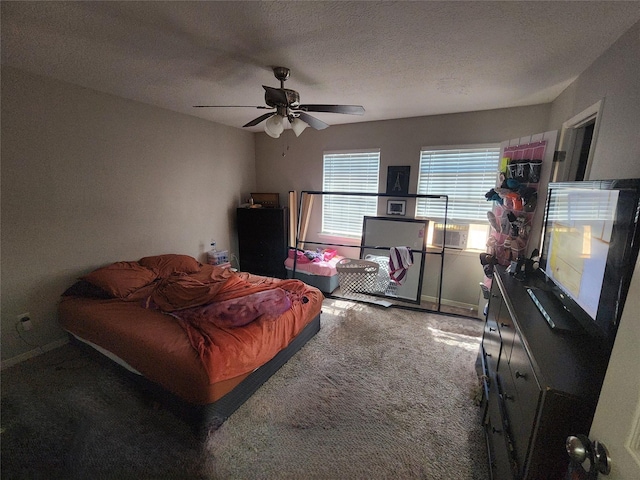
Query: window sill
451,250
357,242
329,238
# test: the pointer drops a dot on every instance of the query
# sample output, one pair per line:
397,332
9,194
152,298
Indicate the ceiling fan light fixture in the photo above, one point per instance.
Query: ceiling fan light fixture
287,104
274,126
298,126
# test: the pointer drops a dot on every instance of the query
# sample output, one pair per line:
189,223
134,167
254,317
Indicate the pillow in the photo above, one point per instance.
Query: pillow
166,265
120,279
82,288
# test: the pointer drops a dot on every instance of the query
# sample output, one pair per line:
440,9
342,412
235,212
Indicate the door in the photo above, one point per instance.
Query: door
617,419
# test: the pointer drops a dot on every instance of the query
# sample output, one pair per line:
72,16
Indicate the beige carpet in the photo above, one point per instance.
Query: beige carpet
378,393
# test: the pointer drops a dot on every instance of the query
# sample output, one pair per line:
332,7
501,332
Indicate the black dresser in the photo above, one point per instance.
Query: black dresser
540,385
263,240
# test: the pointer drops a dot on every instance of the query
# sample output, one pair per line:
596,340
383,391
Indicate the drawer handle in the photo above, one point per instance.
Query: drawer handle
496,430
521,375
492,329
493,295
504,325
506,396
487,354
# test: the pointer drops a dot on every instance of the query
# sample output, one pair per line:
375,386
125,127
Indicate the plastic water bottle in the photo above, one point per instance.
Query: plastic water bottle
211,254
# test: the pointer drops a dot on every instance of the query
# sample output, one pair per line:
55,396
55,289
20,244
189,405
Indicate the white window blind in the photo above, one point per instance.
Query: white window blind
465,175
349,172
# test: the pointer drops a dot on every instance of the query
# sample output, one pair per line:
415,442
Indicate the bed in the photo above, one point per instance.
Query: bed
200,338
315,268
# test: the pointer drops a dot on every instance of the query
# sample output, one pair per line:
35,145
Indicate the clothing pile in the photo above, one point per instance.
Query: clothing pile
310,256
514,195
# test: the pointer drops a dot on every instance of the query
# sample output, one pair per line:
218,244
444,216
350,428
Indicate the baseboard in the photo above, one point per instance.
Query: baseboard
450,303
32,353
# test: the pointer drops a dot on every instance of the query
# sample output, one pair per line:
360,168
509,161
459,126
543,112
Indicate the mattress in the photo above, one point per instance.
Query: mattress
322,275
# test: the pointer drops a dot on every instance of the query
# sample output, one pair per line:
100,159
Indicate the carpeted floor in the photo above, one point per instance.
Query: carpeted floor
378,393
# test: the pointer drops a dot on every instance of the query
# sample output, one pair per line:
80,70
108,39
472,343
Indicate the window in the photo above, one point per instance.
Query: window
465,175
342,215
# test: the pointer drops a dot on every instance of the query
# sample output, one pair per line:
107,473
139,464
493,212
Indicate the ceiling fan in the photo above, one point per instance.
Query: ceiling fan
287,105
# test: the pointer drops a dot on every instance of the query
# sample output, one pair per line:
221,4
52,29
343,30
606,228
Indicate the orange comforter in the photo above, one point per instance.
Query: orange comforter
229,351
198,365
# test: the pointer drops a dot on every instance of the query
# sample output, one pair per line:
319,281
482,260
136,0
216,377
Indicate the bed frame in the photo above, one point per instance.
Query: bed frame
206,418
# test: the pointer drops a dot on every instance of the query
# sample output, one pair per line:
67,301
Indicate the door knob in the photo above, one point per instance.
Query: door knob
603,460
580,449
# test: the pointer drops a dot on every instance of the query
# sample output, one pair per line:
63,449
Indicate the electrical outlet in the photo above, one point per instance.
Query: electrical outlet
25,321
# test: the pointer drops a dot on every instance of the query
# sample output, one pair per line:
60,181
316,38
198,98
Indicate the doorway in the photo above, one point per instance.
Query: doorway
578,139
584,135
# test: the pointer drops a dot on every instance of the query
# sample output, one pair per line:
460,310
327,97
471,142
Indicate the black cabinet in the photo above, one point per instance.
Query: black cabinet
540,385
263,240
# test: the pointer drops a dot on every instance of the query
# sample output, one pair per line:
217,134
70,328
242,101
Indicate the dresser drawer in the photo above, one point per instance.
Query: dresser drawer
491,344
499,460
527,394
506,328
518,426
507,396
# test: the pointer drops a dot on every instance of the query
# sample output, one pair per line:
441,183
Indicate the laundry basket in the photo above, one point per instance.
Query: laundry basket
383,280
357,276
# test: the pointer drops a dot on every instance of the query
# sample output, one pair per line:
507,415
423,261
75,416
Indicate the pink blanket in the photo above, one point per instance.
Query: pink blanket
238,312
323,268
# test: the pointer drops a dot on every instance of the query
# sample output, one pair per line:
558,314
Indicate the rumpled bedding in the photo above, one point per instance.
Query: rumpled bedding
234,322
261,307
237,312
225,300
206,304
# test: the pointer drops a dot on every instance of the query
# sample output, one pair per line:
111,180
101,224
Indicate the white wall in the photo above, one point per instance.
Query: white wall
89,178
615,79
291,163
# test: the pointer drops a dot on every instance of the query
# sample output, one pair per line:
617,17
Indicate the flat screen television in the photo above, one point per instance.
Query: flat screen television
590,243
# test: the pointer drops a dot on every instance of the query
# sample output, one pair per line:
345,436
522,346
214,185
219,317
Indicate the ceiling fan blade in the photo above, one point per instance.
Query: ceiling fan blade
312,121
276,96
348,109
256,121
231,106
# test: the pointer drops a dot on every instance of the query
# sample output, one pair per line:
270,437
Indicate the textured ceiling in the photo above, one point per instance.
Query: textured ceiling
397,59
